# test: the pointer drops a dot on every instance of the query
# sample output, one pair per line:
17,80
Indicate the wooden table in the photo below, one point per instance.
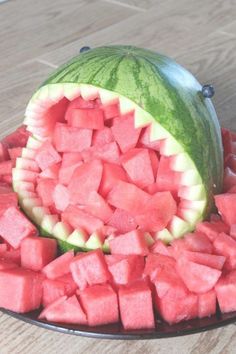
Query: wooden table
37,36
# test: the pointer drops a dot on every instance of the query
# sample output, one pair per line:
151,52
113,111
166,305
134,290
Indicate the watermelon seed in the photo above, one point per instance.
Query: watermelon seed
84,49
208,91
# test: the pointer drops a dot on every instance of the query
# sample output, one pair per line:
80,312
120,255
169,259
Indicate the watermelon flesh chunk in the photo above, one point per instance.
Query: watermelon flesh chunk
59,266
136,307
100,304
20,290
64,310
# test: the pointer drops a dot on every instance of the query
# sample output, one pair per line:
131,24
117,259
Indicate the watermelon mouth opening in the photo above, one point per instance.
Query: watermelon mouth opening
84,136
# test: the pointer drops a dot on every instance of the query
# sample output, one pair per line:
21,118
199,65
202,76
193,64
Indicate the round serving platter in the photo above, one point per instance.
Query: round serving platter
115,331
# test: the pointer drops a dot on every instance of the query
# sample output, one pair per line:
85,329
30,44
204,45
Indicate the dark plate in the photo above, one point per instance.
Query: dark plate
115,331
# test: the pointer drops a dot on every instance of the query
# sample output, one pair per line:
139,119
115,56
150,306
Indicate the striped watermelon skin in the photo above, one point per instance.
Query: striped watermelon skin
162,88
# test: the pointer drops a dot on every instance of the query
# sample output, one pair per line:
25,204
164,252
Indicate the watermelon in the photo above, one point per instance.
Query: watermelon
96,206
4,155
207,304
108,152
86,118
212,230
47,156
110,176
197,277
18,138
100,304
6,167
15,232
77,218
226,292
85,179
91,267
132,242
174,310
134,314
122,221
102,137
7,200
64,310
45,189
53,289
11,255
20,290
37,252
70,139
125,269
61,197
226,246
226,205
7,264
59,266
210,260
125,133
128,197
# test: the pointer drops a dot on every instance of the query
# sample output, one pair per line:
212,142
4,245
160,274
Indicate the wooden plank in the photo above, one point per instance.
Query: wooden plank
165,27
28,30
17,86
21,338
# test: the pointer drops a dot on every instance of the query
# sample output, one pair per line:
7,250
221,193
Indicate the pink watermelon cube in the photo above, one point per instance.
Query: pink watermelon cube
14,153
197,277
47,156
53,289
137,164
77,218
11,255
110,177
122,221
51,172
156,263
3,152
132,242
6,167
7,200
226,292
207,304
225,245
45,188
198,242
226,205
61,197
145,140
124,132
7,264
233,231
70,161
155,162
64,310
15,232
160,248
85,179
108,153
87,118
136,307
167,180
128,197
174,310
5,188
158,211
102,137
70,139
18,138
98,207
78,102
20,290
210,260
100,304
91,266
59,266
212,230
111,110
37,252
125,269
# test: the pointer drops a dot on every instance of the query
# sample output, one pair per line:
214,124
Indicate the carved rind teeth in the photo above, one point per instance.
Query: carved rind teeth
178,227
190,178
196,192
71,91
88,92
170,147
24,175
191,216
126,106
142,118
62,230
78,238
48,222
107,97
164,235
39,212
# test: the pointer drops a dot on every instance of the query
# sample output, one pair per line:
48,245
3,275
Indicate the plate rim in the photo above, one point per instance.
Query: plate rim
98,333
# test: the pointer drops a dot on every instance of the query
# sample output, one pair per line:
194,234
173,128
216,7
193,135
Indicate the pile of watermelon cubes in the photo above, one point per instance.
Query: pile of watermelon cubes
135,284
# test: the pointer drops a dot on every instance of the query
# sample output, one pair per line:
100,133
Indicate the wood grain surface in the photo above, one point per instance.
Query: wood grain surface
37,36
